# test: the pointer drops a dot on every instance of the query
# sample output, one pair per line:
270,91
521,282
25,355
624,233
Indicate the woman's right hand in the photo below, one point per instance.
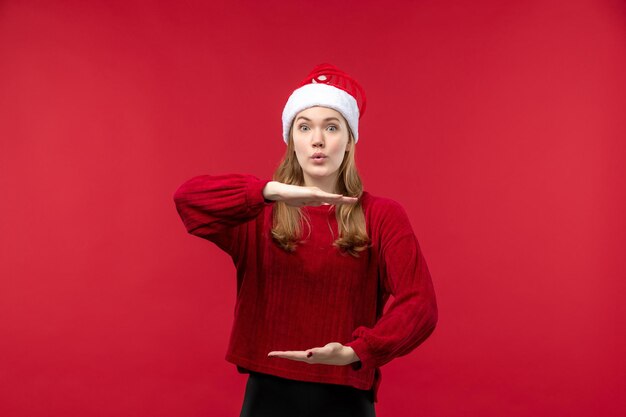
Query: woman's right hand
298,196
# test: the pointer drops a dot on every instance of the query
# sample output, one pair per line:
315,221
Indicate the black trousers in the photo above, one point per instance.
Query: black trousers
272,396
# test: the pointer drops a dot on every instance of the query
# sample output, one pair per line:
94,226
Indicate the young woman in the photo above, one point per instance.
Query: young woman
317,258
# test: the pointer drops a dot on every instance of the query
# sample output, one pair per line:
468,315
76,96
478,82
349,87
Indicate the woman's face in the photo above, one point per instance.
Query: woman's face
320,130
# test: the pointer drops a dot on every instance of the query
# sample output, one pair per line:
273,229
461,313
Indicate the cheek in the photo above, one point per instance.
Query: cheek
301,156
298,151
339,151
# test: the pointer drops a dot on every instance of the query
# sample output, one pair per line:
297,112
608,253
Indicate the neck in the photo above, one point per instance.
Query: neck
327,184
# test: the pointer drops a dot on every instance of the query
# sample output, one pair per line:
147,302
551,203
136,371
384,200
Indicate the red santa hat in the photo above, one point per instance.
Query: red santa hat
328,86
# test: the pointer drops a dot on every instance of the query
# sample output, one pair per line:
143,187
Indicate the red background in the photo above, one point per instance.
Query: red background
499,126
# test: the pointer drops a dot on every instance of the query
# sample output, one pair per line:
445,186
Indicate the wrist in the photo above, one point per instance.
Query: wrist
269,191
353,356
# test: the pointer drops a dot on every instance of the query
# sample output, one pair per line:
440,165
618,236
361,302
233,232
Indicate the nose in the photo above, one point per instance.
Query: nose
318,137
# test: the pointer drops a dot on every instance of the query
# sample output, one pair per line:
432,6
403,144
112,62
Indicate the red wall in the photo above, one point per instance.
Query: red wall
499,126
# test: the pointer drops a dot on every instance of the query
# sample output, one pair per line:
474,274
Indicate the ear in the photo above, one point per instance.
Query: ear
350,143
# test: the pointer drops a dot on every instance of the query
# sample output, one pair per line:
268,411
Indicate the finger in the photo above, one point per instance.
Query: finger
316,353
278,352
288,354
300,355
324,195
329,198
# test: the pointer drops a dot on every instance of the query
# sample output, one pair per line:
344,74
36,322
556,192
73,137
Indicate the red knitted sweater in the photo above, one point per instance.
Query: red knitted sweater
316,295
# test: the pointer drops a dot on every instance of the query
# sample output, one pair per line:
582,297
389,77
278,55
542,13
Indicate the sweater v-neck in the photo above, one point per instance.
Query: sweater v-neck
321,208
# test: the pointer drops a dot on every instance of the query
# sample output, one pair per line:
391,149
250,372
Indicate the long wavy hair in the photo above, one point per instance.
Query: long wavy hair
288,220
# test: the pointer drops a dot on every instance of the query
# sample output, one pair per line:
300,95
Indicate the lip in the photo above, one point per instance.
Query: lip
318,154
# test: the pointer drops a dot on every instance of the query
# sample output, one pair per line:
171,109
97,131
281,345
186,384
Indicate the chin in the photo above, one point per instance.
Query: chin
318,174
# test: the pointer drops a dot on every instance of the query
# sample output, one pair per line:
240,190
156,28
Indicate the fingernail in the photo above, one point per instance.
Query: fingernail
309,354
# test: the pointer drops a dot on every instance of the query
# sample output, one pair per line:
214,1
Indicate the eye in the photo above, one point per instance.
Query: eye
333,126
301,126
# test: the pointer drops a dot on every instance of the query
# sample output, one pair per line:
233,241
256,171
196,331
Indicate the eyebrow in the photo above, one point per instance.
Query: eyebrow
326,119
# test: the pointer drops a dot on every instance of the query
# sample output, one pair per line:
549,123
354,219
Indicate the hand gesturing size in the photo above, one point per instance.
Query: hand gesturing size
331,354
298,196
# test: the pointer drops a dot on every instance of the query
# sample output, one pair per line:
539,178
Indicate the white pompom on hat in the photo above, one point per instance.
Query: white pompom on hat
328,86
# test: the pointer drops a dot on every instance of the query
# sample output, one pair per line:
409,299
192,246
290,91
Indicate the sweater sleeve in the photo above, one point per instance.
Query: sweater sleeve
215,207
412,315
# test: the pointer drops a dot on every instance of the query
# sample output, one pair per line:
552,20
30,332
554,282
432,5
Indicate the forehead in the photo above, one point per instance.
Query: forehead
319,112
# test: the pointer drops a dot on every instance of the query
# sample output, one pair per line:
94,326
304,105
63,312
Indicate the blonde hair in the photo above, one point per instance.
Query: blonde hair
287,220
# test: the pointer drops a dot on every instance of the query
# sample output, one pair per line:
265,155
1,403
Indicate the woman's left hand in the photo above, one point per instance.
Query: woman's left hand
332,354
